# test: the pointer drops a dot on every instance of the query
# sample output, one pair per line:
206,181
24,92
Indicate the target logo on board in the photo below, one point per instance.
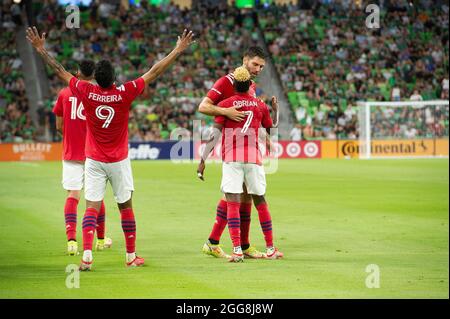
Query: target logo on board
277,149
293,150
311,149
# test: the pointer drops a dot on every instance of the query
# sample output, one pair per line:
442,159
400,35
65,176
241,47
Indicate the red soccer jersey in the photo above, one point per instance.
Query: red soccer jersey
70,108
107,112
240,141
224,88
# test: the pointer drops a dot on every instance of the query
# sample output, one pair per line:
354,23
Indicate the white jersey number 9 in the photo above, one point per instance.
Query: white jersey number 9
99,112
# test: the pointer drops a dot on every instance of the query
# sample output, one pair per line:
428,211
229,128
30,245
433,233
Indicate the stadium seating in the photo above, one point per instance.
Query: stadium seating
136,39
15,121
324,68
350,61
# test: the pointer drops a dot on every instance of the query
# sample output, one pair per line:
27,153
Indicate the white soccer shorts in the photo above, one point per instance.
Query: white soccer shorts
72,175
97,174
234,174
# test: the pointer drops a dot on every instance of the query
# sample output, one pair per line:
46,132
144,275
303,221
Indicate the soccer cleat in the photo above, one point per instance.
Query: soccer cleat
136,262
72,248
273,253
252,252
103,243
237,256
214,250
85,265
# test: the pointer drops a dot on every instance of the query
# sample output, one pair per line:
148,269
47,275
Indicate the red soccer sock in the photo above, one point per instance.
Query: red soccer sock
234,223
129,229
266,223
220,223
70,216
101,222
89,224
245,211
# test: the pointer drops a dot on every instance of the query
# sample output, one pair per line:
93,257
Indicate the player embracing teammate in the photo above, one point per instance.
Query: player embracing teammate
242,161
254,61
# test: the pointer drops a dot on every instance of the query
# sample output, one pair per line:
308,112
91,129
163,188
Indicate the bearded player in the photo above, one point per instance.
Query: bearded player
242,162
253,61
107,110
71,123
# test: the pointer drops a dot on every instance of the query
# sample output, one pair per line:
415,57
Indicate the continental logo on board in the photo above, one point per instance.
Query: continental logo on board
390,148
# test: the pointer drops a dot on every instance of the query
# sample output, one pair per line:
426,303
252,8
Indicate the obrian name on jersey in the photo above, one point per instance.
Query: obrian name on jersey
245,103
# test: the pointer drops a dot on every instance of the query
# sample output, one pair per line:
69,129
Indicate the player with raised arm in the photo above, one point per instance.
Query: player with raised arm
242,161
71,123
253,61
107,110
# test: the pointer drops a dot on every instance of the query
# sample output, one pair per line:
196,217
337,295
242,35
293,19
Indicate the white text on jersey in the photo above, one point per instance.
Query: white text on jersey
104,98
245,103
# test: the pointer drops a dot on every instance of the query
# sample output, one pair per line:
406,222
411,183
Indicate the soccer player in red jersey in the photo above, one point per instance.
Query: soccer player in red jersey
71,122
107,110
242,162
223,88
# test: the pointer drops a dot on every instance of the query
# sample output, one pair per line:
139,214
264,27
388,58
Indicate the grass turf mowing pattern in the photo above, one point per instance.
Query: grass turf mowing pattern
331,218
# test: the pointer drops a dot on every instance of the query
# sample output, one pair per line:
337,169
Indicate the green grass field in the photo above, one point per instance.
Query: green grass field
331,218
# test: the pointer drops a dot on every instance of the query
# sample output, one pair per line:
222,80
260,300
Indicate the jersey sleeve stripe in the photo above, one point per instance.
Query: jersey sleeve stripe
217,91
230,79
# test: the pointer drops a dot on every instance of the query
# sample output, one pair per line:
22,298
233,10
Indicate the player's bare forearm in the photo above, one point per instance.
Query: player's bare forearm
213,140
208,108
159,68
275,118
38,42
59,70
59,124
275,109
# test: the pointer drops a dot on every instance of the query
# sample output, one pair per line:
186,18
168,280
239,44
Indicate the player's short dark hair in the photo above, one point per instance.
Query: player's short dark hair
104,73
253,51
87,68
242,87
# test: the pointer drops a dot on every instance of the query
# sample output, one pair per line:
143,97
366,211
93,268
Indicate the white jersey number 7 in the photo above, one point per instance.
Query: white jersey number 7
248,121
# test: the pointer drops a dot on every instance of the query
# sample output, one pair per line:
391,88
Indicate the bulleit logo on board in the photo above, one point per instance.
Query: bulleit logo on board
32,147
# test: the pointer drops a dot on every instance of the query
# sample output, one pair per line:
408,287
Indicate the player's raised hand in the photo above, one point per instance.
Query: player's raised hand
234,114
185,40
274,103
201,170
36,41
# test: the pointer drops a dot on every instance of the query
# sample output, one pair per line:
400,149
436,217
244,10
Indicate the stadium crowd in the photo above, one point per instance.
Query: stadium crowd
134,39
327,59
15,121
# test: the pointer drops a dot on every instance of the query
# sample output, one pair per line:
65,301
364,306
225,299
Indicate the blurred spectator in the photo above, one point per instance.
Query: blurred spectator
296,133
416,96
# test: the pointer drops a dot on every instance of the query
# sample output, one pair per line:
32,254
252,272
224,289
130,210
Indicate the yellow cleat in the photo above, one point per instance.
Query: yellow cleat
72,248
252,252
103,243
214,250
